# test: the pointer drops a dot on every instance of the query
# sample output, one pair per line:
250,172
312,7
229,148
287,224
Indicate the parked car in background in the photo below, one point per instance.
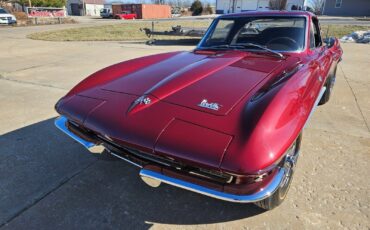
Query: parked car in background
125,15
225,119
6,18
106,13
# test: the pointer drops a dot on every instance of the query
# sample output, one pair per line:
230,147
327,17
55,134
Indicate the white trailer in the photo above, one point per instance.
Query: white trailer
236,6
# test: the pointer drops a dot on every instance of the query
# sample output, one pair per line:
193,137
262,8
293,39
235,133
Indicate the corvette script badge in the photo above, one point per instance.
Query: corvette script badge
205,104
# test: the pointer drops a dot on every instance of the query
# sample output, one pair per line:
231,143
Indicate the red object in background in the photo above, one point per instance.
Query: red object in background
143,11
125,15
227,111
45,12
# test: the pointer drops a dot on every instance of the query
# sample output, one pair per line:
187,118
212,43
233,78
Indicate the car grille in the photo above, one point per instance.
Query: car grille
143,158
211,175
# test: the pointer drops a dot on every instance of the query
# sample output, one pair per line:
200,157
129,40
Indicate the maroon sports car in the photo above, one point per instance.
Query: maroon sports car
224,120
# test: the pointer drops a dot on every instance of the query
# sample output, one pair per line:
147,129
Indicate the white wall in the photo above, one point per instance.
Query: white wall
290,3
93,9
224,5
263,5
244,5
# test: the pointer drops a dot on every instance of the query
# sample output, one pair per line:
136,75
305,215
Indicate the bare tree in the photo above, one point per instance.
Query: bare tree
317,6
161,2
278,4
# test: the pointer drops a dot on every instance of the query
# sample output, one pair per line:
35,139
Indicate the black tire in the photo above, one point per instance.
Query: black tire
329,88
288,163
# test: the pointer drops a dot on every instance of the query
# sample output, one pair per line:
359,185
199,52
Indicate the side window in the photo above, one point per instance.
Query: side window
315,37
222,30
312,36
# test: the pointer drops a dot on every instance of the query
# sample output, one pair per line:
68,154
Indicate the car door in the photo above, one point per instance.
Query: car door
319,53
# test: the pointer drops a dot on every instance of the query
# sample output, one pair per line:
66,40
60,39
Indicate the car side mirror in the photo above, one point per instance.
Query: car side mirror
329,42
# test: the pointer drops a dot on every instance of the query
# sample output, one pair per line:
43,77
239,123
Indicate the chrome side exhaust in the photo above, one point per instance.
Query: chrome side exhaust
150,181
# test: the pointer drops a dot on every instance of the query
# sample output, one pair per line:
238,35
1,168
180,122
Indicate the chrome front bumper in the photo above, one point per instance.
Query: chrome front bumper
267,191
60,123
262,194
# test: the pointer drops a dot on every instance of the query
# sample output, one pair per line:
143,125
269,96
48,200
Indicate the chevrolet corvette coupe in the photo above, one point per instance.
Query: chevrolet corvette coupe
225,119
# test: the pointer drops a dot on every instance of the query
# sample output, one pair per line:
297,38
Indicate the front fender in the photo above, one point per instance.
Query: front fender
115,71
273,122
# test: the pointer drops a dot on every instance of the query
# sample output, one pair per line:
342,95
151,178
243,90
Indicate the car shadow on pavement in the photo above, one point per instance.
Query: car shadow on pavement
48,180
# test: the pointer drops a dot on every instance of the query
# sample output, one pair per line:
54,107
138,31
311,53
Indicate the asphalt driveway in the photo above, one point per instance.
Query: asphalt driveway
47,181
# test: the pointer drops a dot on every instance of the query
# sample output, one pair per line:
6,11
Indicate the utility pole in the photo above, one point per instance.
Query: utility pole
83,8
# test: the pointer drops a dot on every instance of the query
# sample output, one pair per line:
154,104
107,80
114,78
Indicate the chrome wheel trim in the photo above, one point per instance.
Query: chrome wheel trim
289,165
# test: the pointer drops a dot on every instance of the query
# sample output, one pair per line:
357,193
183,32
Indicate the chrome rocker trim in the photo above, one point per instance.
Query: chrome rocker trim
262,194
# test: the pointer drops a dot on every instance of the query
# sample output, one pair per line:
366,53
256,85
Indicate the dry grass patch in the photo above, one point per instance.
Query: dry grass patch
126,31
339,31
130,31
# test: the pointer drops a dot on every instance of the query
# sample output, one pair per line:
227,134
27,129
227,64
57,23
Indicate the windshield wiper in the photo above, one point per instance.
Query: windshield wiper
244,46
218,47
263,48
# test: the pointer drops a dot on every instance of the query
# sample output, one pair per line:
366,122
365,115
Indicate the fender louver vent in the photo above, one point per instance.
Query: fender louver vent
285,75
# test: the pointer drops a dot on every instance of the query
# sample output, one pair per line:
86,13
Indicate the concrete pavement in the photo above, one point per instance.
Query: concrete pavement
48,181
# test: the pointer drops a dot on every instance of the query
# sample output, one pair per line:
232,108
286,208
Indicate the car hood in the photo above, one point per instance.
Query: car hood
171,123
187,79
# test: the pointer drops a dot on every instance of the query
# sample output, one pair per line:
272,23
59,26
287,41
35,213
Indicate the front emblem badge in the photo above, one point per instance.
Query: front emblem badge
205,104
143,100
140,103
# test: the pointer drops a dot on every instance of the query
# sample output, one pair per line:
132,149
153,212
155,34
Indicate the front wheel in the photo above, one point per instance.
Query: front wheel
288,164
329,88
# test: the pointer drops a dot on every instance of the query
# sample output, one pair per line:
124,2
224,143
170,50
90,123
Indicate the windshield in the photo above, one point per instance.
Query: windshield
274,33
2,11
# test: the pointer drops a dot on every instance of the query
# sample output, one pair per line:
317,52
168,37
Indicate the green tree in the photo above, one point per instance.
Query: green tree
196,8
44,3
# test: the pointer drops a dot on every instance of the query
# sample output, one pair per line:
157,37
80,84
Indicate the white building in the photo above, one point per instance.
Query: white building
85,7
236,6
